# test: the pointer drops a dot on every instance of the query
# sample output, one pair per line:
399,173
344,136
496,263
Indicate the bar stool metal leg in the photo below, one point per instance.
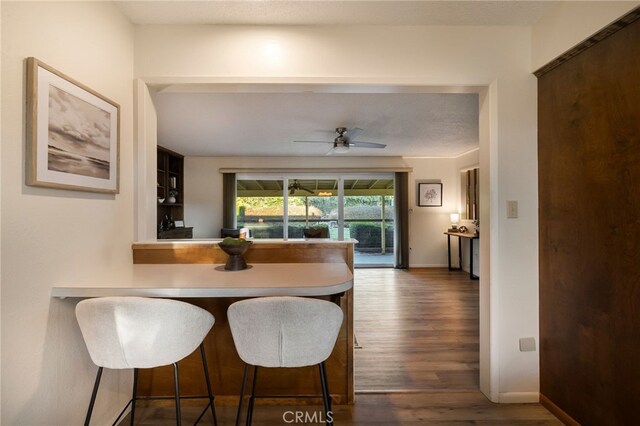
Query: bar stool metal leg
93,397
177,386
326,397
244,384
206,376
253,395
134,395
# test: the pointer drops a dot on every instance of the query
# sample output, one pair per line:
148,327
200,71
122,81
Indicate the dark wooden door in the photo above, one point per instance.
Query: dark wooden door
589,195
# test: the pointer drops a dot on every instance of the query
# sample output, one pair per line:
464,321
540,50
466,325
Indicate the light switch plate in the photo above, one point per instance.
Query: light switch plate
512,209
527,344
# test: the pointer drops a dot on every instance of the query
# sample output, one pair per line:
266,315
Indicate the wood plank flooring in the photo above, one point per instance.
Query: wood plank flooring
432,408
418,364
418,329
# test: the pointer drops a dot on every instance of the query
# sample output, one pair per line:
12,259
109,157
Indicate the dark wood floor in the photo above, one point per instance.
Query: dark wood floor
418,364
418,330
436,408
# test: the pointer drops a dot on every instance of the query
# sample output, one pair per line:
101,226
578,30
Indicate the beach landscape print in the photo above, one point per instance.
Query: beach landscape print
79,136
72,133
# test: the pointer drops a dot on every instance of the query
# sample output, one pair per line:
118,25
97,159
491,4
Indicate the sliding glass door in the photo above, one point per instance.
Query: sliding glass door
260,207
313,208
322,206
369,218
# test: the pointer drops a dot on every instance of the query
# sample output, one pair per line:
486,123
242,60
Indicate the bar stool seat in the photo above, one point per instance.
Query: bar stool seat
138,332
284,332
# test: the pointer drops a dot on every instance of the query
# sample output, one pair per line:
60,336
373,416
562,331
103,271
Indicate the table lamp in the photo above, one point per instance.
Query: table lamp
455,217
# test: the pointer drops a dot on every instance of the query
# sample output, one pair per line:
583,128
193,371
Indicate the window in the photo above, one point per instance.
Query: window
260,207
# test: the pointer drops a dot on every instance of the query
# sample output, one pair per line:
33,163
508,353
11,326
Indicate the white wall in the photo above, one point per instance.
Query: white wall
51,236
515,246
569,23
203,195
427,242
145,157
378,54
468,160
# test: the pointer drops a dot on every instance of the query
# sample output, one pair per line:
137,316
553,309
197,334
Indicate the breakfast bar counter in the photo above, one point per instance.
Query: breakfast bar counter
207,280
192,271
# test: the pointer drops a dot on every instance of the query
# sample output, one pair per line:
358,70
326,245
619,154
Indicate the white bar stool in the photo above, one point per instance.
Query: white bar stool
139,332
284,332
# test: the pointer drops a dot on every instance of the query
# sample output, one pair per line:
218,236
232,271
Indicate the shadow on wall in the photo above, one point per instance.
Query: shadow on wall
66,375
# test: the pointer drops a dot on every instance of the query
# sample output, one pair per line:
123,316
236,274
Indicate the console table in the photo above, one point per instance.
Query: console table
460,236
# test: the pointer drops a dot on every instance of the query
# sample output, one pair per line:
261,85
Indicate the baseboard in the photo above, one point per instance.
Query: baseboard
557,411
518,397
427,265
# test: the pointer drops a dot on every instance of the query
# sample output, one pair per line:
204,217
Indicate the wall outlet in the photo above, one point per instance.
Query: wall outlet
512,209
528,344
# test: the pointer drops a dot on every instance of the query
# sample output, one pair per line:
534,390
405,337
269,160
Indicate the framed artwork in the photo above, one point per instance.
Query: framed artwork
429,195
73,133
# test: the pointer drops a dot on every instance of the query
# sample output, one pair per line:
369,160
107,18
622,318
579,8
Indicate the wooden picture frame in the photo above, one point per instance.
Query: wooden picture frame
72,134
429,194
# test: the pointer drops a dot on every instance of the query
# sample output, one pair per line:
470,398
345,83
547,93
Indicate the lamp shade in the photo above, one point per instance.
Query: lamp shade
455,217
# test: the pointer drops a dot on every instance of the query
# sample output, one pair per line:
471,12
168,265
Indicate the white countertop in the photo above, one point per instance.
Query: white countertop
258,241
206,280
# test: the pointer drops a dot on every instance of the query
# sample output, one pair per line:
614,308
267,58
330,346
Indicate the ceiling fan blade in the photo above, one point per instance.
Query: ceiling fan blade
292,191
354,133
367,145
313,141
308,190
330,152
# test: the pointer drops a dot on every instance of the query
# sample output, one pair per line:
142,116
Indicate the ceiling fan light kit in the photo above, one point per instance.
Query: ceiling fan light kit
345,140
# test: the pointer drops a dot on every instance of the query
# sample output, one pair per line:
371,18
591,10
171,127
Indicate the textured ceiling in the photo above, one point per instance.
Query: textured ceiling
257,124
350,12
267,123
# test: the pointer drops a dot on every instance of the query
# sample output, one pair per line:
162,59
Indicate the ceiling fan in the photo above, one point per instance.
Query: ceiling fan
295,186
346,139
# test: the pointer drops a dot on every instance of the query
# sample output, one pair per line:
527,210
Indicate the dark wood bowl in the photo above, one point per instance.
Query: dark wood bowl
235,251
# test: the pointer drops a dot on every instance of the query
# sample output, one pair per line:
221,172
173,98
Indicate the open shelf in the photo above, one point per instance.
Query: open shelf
170,166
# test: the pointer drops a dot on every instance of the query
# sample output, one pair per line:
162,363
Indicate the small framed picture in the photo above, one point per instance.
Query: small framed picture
429,195
72,133
179,223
